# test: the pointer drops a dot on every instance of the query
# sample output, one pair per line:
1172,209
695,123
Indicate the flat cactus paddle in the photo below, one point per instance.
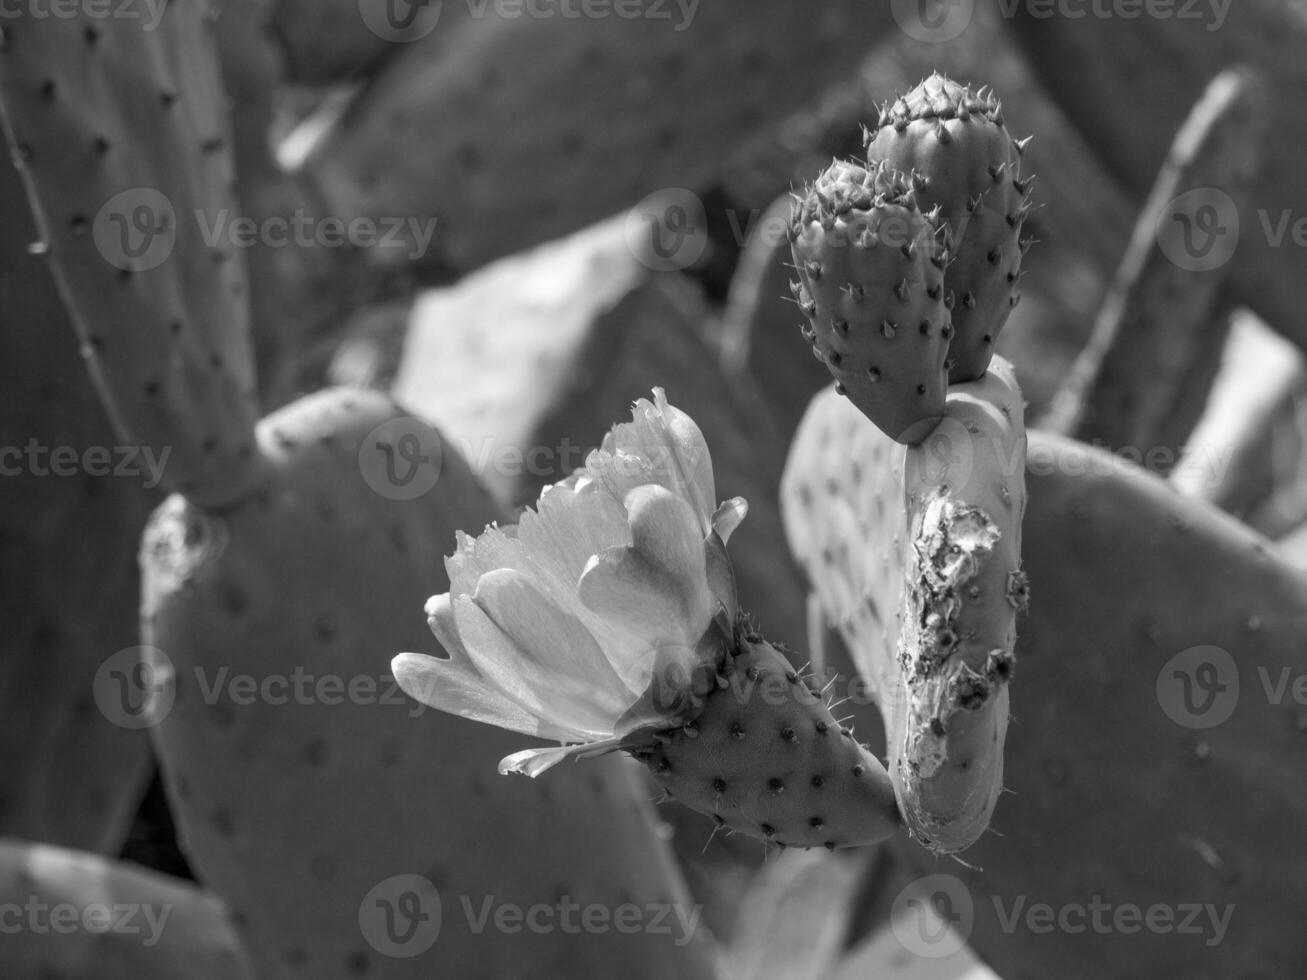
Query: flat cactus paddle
122,139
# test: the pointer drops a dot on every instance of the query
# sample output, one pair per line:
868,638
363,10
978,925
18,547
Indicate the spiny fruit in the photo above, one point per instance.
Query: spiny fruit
962,160
871,284
765,757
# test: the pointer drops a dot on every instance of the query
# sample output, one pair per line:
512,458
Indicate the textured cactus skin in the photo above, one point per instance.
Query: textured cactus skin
1125,575
871,276
293,812
964,567
67,775
194,937
1094,66
169,346
963,160
327,41
409,146
1143,378
766,758
915,556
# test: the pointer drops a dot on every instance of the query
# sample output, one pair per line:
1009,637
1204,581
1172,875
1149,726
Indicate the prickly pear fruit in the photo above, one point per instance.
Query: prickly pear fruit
123,142
766,758
299,800
871,284
130,924
915,557
955,144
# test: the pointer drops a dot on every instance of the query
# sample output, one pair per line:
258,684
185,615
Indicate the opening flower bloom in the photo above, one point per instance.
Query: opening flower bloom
603,613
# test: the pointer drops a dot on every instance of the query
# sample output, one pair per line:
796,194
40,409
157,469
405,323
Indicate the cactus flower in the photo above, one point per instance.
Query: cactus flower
604,613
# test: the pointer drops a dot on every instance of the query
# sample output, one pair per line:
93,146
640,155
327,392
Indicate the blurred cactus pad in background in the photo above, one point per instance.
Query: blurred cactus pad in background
725,489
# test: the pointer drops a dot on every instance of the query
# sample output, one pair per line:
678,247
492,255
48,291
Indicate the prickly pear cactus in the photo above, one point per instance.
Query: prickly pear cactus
871,284
1158,728
766,758
72,503
326,794
128,191
607,620
915,557
126,924
962,160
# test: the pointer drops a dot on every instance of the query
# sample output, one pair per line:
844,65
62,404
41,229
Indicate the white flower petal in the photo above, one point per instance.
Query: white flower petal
540,655
455,687
532,762
495,547
665,530
622,586
663,445
567,527
729,516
